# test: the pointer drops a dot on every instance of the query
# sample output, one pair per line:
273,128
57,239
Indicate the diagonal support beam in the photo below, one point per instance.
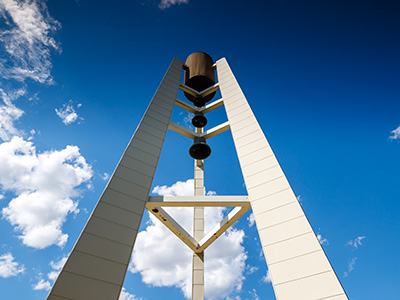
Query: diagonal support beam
174,226
220,228
186,106
188,90
216,130
182,130
212,106
209,90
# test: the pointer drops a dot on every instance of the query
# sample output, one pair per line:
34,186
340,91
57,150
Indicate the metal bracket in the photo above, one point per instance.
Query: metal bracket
241,204
191,134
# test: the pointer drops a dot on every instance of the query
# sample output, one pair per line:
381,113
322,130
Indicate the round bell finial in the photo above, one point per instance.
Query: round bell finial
199,149
199,101
199,120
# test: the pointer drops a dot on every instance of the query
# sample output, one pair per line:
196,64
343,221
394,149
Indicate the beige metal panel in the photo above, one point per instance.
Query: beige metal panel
300,267
133,176
277,199
151,130
252,147
56,298
95,267
124,201
115,221
264,176
267,188
117,215
156,115
136,164
127,187
142,155
279,218
104,248
298,246
110,230
321,286
256,157
284,231
278,215
73,286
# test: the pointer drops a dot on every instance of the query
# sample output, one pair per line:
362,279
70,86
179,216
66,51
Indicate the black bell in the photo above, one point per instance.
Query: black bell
199,149
199,120
199,101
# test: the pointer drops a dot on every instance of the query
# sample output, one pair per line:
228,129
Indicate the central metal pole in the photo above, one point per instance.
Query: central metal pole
198,231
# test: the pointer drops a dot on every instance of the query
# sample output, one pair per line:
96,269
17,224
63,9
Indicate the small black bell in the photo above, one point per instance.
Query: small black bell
199,101
199,120
199,149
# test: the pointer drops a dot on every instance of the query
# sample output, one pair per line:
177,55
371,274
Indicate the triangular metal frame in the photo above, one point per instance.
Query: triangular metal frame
241,205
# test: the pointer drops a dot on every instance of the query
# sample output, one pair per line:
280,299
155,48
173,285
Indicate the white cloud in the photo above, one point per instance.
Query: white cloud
9,113
267,277
350,266
167,3
27,40
356,242
56,266
181,188
396,134
42,285
322,241
52,275
251,220
155,253
105,176
126,296
253,294
251,269
45,185
8,267
67,113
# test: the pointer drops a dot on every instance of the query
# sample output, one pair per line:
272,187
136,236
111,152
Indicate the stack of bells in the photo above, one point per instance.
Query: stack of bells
199,75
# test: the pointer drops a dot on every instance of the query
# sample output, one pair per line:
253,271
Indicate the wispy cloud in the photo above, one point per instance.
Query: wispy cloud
251,220
56,266
26,42
127,296
45,185
350,266
267,277
356,242
225,263
395,134
322,240
167,3
67,112
42,285
9,113
8,267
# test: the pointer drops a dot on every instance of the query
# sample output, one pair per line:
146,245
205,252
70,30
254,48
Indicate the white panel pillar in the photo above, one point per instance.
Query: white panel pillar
297,264
198,231
97,265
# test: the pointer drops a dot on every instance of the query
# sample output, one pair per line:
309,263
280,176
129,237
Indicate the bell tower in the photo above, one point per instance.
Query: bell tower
97,265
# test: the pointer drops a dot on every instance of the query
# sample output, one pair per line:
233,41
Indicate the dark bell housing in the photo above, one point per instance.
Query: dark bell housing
199,120
199,75
199,149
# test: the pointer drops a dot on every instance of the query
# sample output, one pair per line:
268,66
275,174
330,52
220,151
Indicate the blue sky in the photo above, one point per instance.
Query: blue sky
322,79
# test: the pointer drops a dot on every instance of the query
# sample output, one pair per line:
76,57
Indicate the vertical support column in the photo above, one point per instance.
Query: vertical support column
297,263
198,231
97,265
